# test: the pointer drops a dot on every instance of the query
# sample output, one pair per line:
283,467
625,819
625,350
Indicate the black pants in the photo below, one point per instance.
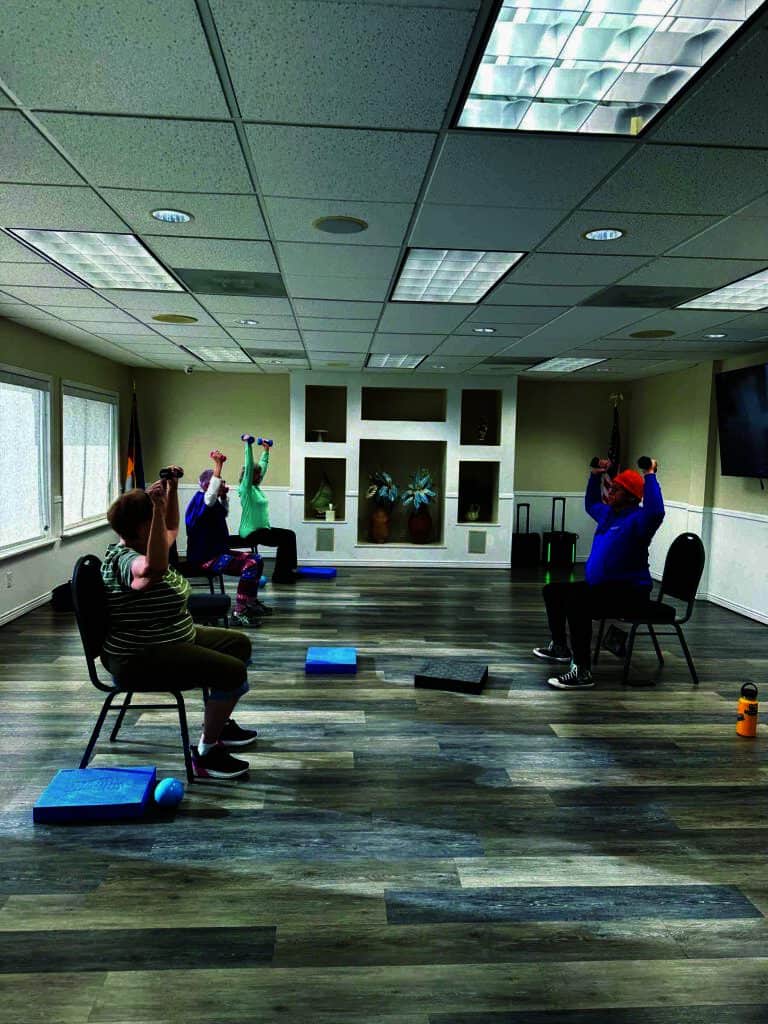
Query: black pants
285,542
577,604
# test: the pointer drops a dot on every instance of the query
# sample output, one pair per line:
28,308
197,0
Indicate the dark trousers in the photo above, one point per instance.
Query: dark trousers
285,542
575,605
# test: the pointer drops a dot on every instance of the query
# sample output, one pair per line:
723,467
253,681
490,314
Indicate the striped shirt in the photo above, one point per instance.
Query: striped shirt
142,618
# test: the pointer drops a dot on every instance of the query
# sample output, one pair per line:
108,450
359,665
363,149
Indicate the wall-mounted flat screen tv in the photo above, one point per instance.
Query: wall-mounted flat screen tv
742,419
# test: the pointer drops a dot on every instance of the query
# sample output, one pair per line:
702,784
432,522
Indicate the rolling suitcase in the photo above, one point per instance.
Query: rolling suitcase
559,545
526,546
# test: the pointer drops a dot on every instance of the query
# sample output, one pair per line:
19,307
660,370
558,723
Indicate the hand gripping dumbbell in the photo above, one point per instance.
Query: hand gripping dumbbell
264,440
248,438
218,455
644,463
171,473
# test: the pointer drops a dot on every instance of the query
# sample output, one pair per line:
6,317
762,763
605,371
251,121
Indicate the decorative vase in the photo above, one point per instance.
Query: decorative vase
420,526
379,525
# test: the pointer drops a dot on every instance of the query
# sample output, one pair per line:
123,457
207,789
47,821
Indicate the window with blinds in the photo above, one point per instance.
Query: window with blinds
89,454
25,459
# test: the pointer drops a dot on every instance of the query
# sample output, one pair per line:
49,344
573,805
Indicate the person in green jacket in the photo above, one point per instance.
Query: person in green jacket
254,520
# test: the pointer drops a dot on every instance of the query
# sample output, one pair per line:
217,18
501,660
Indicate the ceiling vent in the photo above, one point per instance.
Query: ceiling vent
230,282
643,297
275,353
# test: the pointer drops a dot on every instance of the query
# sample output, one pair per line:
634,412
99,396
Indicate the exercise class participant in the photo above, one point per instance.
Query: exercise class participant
618,582
151,638
208,544
254,522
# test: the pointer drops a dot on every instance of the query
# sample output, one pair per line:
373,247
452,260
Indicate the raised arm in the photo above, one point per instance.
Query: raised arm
245,483
172,508
264,460
652,509
593,498
152,566
213,491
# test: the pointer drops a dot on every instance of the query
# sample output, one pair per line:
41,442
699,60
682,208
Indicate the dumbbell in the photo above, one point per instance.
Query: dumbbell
265,440
248,438
219,455
167,473
644,463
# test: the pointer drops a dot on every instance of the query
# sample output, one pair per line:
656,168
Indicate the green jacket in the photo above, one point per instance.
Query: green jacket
253,501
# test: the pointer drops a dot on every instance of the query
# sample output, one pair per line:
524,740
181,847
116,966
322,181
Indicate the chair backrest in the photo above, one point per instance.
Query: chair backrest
89,597
683,567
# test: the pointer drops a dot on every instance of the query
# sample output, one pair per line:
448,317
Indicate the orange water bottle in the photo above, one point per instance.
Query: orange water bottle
746,716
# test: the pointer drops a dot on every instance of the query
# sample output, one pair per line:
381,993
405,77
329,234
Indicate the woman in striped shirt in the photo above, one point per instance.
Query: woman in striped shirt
151,638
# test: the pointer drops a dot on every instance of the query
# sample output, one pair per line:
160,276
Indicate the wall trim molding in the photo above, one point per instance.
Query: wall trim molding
22,609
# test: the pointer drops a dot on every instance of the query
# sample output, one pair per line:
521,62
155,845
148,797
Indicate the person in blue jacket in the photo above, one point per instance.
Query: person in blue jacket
618,581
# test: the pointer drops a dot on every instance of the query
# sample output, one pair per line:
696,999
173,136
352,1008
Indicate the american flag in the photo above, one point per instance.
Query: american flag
614,447
134,468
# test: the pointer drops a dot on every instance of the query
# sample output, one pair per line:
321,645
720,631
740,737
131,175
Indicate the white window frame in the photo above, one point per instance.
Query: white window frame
42,382
74,389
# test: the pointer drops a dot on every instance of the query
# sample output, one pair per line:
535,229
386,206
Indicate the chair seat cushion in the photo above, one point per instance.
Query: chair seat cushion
209,605
654,613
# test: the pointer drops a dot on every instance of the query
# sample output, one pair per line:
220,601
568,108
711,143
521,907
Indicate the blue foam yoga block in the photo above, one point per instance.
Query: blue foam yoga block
319,572
331,661
95,794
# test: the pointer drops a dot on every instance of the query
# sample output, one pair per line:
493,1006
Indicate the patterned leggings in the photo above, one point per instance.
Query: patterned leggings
245,565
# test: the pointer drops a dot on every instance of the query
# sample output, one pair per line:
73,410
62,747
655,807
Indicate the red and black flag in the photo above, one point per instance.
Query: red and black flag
614,448
134,468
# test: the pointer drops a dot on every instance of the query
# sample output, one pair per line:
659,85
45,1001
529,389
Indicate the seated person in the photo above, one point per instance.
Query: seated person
151,638
618,582
254,521
208,544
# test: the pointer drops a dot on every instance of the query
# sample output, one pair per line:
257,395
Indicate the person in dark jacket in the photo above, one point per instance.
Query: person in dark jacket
618,581
208,544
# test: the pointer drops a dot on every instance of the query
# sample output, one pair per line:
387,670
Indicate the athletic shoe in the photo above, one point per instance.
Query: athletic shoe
217,764
233,735
553,652
259,610
574,679
245,620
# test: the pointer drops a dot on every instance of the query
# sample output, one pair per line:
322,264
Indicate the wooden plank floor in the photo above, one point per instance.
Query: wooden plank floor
522,857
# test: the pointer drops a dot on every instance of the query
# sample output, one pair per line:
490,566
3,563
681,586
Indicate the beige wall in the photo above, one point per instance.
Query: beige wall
740,493
559,428
183,416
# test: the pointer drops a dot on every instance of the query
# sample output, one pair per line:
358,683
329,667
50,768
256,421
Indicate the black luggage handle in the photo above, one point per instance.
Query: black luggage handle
527,506
562,519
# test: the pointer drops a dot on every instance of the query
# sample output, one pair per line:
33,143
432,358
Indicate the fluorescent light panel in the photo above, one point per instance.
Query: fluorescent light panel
451,275
219,355
749,293
594,66
564,365
102,260
380,361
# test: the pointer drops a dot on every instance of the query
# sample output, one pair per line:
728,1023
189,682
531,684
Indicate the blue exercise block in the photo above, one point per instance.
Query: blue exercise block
95,794
324,661
317,572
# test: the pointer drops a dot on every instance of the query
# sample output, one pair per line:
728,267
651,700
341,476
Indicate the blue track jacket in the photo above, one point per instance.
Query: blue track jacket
620,548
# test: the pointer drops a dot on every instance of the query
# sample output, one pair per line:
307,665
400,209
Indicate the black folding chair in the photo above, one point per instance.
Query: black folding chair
683,568
204,608
89,597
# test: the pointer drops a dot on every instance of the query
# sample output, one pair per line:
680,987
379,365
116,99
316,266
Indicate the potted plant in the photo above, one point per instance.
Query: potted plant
384,494
420,492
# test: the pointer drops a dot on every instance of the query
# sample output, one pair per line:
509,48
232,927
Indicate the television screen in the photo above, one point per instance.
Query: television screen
742,418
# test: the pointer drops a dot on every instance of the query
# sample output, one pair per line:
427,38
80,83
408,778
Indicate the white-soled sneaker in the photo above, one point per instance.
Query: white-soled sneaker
574,679
554,652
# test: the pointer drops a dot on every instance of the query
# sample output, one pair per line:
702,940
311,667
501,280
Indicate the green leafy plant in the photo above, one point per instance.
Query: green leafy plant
383,490
420,490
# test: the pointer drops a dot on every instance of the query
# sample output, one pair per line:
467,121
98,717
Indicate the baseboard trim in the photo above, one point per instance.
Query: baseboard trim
22,609
734,606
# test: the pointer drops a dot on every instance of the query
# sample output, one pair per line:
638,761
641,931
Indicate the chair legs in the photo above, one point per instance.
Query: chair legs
687,653
105,707
184,730
120,717
599,643
655,642
630,648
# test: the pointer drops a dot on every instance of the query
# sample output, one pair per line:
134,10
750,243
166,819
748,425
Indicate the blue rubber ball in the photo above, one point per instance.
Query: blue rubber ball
262,581
169,793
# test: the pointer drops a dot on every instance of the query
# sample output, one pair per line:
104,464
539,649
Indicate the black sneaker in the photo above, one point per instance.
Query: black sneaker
233,735
553,652
574,679
258,610
217,764
245,620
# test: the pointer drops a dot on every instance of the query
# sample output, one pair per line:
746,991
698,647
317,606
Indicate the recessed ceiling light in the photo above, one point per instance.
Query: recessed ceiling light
379,361
653,334
102,260
340,225
484,330
749,293
172,216
174,318
603,234
714,337
593,67
451,275
249,323
565,365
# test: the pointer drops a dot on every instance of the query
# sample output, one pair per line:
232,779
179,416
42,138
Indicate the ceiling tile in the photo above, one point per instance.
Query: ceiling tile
404,344
343,310
304,162
182,332
645,234
57,207
364,289
487,314
299,258
435,363
132,152
76,296
494,228
553,269
221,254
423,318
10,310
236,368
30,274
750,322
325,341
682,321
683,179
127,330
537,295
458,345
12,251
267,323
139,57
581,325
257,347
293,220
739,237
245,305
468,330
317,323
25,155
214,216
378,65
694,273
538,348
97,314
337,360
154,302
146,347
506,169
251,335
